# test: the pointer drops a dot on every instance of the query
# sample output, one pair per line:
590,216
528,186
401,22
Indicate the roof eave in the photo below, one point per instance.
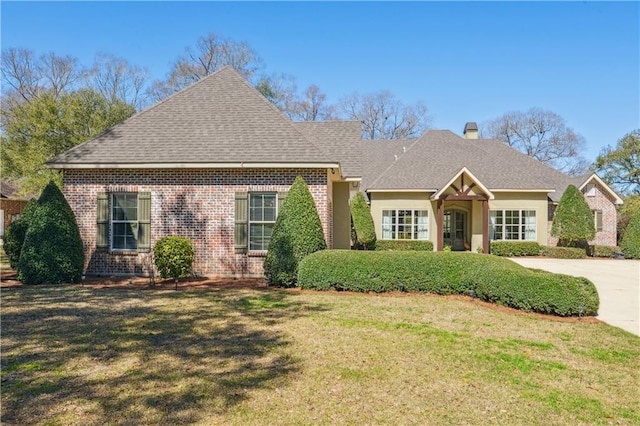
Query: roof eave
189,165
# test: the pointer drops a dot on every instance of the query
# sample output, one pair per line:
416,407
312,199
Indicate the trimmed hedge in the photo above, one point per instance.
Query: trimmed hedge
515,248
173,256
630,244
573,221
605,251
490,278
563,252
362,221
15,234
52,252
297,233
415,245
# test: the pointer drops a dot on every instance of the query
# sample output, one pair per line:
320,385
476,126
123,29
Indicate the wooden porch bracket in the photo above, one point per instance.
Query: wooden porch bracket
439,224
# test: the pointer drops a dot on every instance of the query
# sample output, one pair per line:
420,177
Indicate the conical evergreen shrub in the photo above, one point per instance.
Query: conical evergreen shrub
573,222
15,233
52,252
630,244
297,233
362,223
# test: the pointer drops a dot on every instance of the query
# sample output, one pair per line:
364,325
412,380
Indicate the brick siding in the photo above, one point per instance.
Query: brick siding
194,203
11,207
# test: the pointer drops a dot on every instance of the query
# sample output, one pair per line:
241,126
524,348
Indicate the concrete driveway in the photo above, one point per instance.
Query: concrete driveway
617,281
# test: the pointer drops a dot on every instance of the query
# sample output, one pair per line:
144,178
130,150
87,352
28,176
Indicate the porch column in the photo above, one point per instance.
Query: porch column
439,226
485,226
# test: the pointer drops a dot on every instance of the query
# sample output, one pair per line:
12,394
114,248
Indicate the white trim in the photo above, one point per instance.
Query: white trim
401,190
604,185
523,190
352,179
438,194
240,165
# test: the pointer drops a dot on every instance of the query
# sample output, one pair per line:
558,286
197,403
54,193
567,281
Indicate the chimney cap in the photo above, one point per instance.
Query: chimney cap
471,126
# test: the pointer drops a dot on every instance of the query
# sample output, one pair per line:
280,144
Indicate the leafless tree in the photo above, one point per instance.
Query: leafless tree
385,117
313,106
210,53
280,90
543,135
26,76
118,80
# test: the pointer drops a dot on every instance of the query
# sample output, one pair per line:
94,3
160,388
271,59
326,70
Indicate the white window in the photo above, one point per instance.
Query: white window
263,210
514,225
405,225
124,221
591,190
597,220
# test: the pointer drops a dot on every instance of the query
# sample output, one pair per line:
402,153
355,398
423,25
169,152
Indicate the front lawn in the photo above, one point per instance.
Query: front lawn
79,355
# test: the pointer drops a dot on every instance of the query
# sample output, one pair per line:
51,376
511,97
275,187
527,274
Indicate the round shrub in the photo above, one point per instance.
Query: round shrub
362,223
573,221
52,252
296,234
630,244
489,278
15,233
173,256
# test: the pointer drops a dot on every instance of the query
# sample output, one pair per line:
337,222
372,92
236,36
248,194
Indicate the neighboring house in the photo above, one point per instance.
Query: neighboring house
11,205
213,162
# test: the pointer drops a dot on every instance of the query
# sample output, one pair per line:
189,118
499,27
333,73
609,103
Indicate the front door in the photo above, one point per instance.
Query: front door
455,229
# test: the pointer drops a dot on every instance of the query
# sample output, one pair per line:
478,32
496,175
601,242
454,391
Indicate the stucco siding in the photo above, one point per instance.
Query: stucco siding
525,201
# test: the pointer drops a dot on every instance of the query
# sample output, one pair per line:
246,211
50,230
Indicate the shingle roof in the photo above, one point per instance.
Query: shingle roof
341,138
220,119
432,160
6,189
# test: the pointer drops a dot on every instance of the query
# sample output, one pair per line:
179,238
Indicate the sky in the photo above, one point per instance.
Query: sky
467,61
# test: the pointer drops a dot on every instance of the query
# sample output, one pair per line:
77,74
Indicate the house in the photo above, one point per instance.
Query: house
464,192
11,205
213,162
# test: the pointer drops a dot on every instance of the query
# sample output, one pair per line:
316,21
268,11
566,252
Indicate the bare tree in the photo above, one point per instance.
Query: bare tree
543,135
117,80
280,90
313,106
26,76
59,73
385,117
210,53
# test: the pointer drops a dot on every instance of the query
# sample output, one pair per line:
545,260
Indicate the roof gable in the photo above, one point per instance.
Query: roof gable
219,119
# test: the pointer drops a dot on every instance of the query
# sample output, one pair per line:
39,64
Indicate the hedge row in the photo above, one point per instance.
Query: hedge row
489,278
605,251
564,252
515,248
416,245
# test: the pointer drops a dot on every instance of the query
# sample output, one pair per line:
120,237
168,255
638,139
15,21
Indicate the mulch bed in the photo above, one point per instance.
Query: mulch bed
8,280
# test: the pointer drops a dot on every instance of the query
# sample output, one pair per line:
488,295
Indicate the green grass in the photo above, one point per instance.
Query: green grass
78,355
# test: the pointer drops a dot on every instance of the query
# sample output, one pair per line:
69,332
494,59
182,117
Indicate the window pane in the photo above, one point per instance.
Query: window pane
529,225
262,217
422,225
387,227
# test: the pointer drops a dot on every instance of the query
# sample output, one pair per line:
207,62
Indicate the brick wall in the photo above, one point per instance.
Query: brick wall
602,200
599,199
194,203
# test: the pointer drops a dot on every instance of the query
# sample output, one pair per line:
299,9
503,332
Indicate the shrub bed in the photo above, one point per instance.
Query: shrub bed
564,252
404,245
489,278
515,248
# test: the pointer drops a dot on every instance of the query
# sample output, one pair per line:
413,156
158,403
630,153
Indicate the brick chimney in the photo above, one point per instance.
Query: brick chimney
470,130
